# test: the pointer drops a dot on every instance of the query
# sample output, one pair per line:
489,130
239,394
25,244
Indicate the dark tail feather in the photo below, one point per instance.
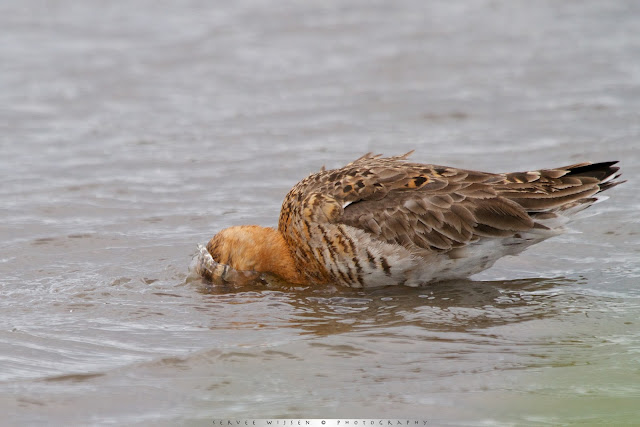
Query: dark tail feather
605,172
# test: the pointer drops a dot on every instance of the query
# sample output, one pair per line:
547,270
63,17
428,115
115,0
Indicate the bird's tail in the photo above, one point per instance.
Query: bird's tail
553,197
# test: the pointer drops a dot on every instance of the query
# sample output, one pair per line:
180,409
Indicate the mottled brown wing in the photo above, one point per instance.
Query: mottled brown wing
440,208
432,207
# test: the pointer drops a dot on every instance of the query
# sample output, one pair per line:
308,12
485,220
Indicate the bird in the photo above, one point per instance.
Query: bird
381,221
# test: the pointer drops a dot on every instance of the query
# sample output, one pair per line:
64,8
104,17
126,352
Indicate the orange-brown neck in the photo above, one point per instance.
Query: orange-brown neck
251,247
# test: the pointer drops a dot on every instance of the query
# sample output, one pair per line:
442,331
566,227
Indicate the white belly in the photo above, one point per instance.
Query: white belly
419,269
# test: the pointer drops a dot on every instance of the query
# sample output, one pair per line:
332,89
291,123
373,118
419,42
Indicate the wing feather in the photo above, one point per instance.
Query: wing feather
439,208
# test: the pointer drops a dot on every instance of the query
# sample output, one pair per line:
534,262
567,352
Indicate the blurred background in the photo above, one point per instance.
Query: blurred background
132,131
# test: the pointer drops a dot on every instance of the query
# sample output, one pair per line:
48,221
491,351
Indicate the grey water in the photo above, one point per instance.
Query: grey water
130,132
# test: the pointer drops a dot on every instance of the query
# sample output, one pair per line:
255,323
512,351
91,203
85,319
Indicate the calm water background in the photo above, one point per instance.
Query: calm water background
131,131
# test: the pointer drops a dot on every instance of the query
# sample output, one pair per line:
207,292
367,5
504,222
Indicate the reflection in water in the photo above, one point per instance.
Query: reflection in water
457,306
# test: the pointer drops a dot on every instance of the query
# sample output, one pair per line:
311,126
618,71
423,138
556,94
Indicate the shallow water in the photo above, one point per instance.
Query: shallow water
131,132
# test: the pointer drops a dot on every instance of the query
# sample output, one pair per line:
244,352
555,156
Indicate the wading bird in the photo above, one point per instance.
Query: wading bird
387,221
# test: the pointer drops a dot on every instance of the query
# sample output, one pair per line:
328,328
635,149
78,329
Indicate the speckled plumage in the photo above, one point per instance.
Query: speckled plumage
386,221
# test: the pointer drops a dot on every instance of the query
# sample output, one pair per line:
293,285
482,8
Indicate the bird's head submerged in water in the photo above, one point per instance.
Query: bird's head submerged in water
254,248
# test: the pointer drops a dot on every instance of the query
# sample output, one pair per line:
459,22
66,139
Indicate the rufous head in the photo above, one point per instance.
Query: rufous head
237,247
255,248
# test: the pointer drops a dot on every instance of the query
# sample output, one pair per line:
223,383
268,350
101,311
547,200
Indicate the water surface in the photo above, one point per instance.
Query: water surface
131,132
